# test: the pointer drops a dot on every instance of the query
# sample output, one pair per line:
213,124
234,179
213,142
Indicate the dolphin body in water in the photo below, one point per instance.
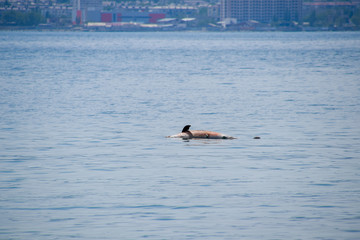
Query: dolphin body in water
187,134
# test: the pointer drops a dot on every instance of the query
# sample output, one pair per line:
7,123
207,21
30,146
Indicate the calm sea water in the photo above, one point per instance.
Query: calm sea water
83,120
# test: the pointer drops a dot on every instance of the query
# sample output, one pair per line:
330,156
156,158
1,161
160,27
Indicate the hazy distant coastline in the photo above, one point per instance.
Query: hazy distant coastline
179,15
160,29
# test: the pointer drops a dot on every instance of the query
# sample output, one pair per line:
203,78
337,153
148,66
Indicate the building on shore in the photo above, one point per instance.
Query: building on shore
86,11
131,16
263,11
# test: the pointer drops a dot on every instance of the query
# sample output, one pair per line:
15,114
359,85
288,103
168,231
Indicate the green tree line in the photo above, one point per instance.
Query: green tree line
18,18
336,17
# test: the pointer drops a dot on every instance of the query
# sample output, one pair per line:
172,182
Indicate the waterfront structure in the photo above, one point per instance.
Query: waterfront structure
86,11
131,17
264,11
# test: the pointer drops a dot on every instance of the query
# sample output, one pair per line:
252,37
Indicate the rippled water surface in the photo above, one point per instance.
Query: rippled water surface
83,120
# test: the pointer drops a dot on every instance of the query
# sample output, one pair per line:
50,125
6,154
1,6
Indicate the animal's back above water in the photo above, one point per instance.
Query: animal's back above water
207,134
186,133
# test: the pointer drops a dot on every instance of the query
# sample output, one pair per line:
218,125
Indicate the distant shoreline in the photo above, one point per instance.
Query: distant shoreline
137,29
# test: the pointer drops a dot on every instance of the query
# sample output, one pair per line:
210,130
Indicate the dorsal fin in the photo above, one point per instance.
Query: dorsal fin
186,128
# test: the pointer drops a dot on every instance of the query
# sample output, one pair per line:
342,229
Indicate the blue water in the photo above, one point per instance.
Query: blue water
83,120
